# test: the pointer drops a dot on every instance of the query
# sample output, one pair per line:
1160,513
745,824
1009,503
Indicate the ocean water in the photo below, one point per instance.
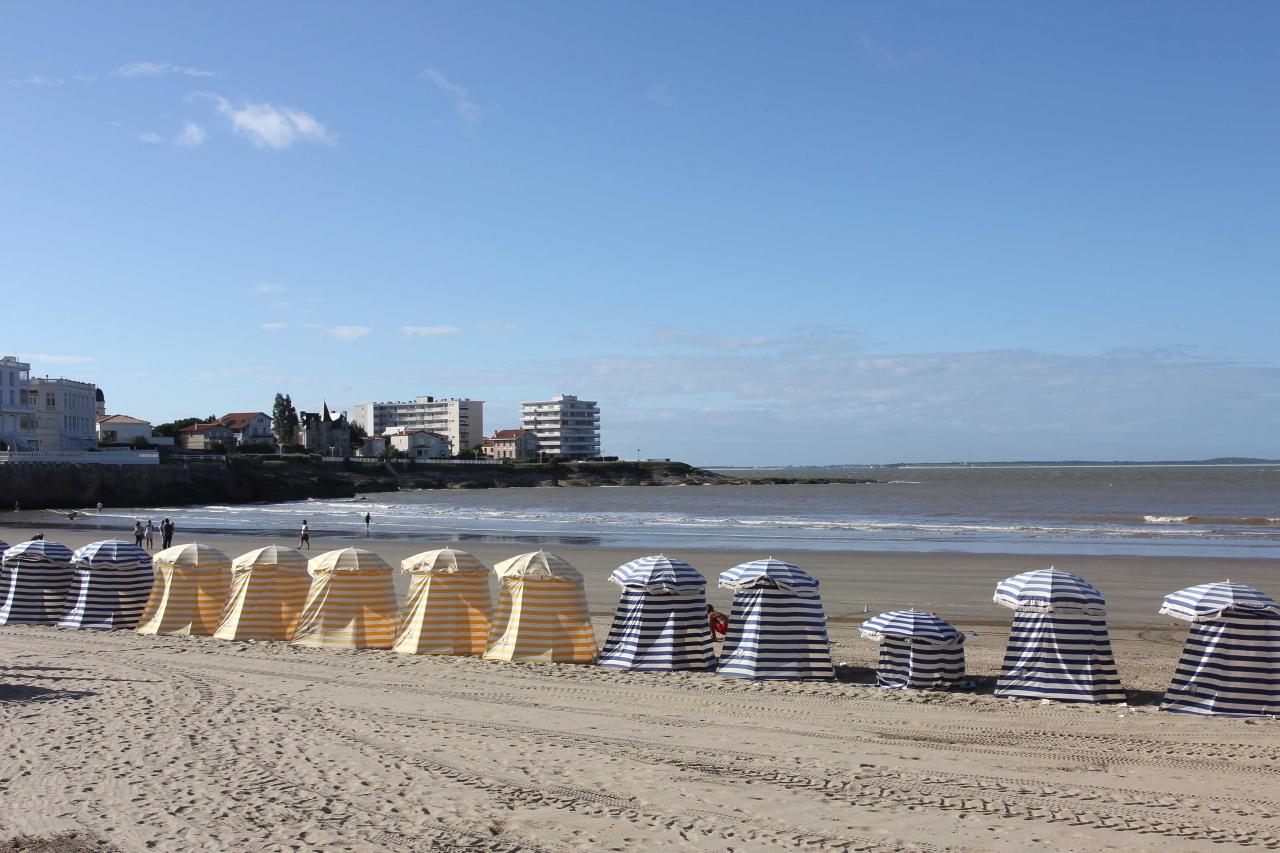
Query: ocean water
1221,510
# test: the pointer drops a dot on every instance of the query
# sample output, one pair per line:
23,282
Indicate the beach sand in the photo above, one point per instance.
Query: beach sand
193,743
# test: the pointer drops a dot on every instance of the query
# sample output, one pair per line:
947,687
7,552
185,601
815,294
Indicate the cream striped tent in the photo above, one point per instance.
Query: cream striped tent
351,603
268,588
110,584
190,590
542,612
448,608
34,579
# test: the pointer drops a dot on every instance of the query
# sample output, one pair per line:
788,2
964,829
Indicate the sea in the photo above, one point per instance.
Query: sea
1229,510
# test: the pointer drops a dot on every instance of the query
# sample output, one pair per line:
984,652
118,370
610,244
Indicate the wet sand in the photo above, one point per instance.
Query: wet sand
169,743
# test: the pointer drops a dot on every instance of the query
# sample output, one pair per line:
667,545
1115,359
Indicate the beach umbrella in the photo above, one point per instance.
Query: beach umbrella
1058,644
542,612
34,579
351,603
268,588
190,591
1230,662
918,650
777,629
661,619
448,606
110,584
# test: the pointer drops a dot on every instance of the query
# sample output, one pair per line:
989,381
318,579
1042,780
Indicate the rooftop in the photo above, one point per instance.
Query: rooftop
122,419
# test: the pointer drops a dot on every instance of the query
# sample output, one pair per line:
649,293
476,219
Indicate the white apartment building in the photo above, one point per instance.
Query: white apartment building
18,423
565,426
67,412
460,421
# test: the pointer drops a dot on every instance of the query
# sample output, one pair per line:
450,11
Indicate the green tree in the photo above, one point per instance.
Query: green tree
358,435
171,428
284,419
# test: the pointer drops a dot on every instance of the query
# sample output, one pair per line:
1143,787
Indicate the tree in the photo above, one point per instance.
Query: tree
171,428
284,420
358,435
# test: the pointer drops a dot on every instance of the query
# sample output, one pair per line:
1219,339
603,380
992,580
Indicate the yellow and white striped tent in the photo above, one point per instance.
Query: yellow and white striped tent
351,603
268,588
542,612
191,583
447,611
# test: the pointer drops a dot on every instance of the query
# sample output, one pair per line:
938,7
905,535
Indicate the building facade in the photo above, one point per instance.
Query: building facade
320,432
206,436
122,429
18,420
67,414
566,427
461,421
514,444
250,427
420,443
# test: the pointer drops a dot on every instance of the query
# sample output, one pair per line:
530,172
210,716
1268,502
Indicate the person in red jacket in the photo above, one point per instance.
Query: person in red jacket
718,622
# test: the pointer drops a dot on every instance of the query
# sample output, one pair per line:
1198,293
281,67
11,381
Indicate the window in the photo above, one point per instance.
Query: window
49,401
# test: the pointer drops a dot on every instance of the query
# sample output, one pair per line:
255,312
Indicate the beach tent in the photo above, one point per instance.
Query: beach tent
351,603
1230,664
918,650
1058,645
542,612
110,584
661,620
268,588
34,579
189,592
778,629
448,606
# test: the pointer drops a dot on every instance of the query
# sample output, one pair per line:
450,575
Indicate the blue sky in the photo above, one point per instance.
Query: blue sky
757,233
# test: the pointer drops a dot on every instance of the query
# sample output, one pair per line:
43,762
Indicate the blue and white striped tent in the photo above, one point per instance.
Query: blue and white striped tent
110,584
777,629
918,650
34,579
1058,645
1230,664
661,620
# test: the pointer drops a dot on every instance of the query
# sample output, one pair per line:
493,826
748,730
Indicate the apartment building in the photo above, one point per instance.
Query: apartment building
459,420
565,426
67,413
18,420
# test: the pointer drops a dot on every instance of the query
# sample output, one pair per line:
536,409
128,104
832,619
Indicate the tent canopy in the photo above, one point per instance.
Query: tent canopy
111,554
923,628
347,560
659,574
1047,590
443,561
38,552
272,558
1209,601
769,573
193,557
538,565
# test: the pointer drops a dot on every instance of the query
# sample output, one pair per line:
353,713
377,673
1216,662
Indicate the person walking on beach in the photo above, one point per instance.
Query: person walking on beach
367,520
137,532
717,622
99,507
150,531
166,533
304,536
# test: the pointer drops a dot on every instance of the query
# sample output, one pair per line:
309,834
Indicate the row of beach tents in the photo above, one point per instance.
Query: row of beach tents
1058,646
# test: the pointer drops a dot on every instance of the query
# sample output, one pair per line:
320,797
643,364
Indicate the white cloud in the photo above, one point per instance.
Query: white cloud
269,126
156,69
466,109
54,358
191,136
35,80
497,326
152,138
886,58
659,95
428,331
268,287
274,327
348,333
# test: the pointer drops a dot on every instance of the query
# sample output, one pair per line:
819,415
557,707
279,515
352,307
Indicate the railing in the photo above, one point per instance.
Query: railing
80,457
197,457
414,460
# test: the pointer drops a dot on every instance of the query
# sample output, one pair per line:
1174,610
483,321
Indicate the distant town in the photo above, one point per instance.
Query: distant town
65,420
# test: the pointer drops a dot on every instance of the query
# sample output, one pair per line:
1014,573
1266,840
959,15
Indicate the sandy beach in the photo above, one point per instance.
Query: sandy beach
173,743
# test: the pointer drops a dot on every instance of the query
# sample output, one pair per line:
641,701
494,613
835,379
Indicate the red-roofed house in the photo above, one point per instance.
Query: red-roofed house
202,436
250,427
122,429
511,444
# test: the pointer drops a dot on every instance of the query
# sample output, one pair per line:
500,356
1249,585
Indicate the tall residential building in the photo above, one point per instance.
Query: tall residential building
461,421
565,426
67,412
18,423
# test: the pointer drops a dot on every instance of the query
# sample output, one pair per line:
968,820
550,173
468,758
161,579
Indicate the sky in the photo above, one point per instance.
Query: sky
756,233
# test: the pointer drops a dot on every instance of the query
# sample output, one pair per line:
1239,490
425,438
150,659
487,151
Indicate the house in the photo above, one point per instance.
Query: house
250,427
204,436
320,432
66,413
122,429
420,443
372,448
511,444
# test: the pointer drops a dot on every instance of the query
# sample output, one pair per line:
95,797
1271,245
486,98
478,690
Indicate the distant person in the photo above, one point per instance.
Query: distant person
137,532
37,537
166,533
717,622
150,531
99,507
71,516
17,507
304,536
367,521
